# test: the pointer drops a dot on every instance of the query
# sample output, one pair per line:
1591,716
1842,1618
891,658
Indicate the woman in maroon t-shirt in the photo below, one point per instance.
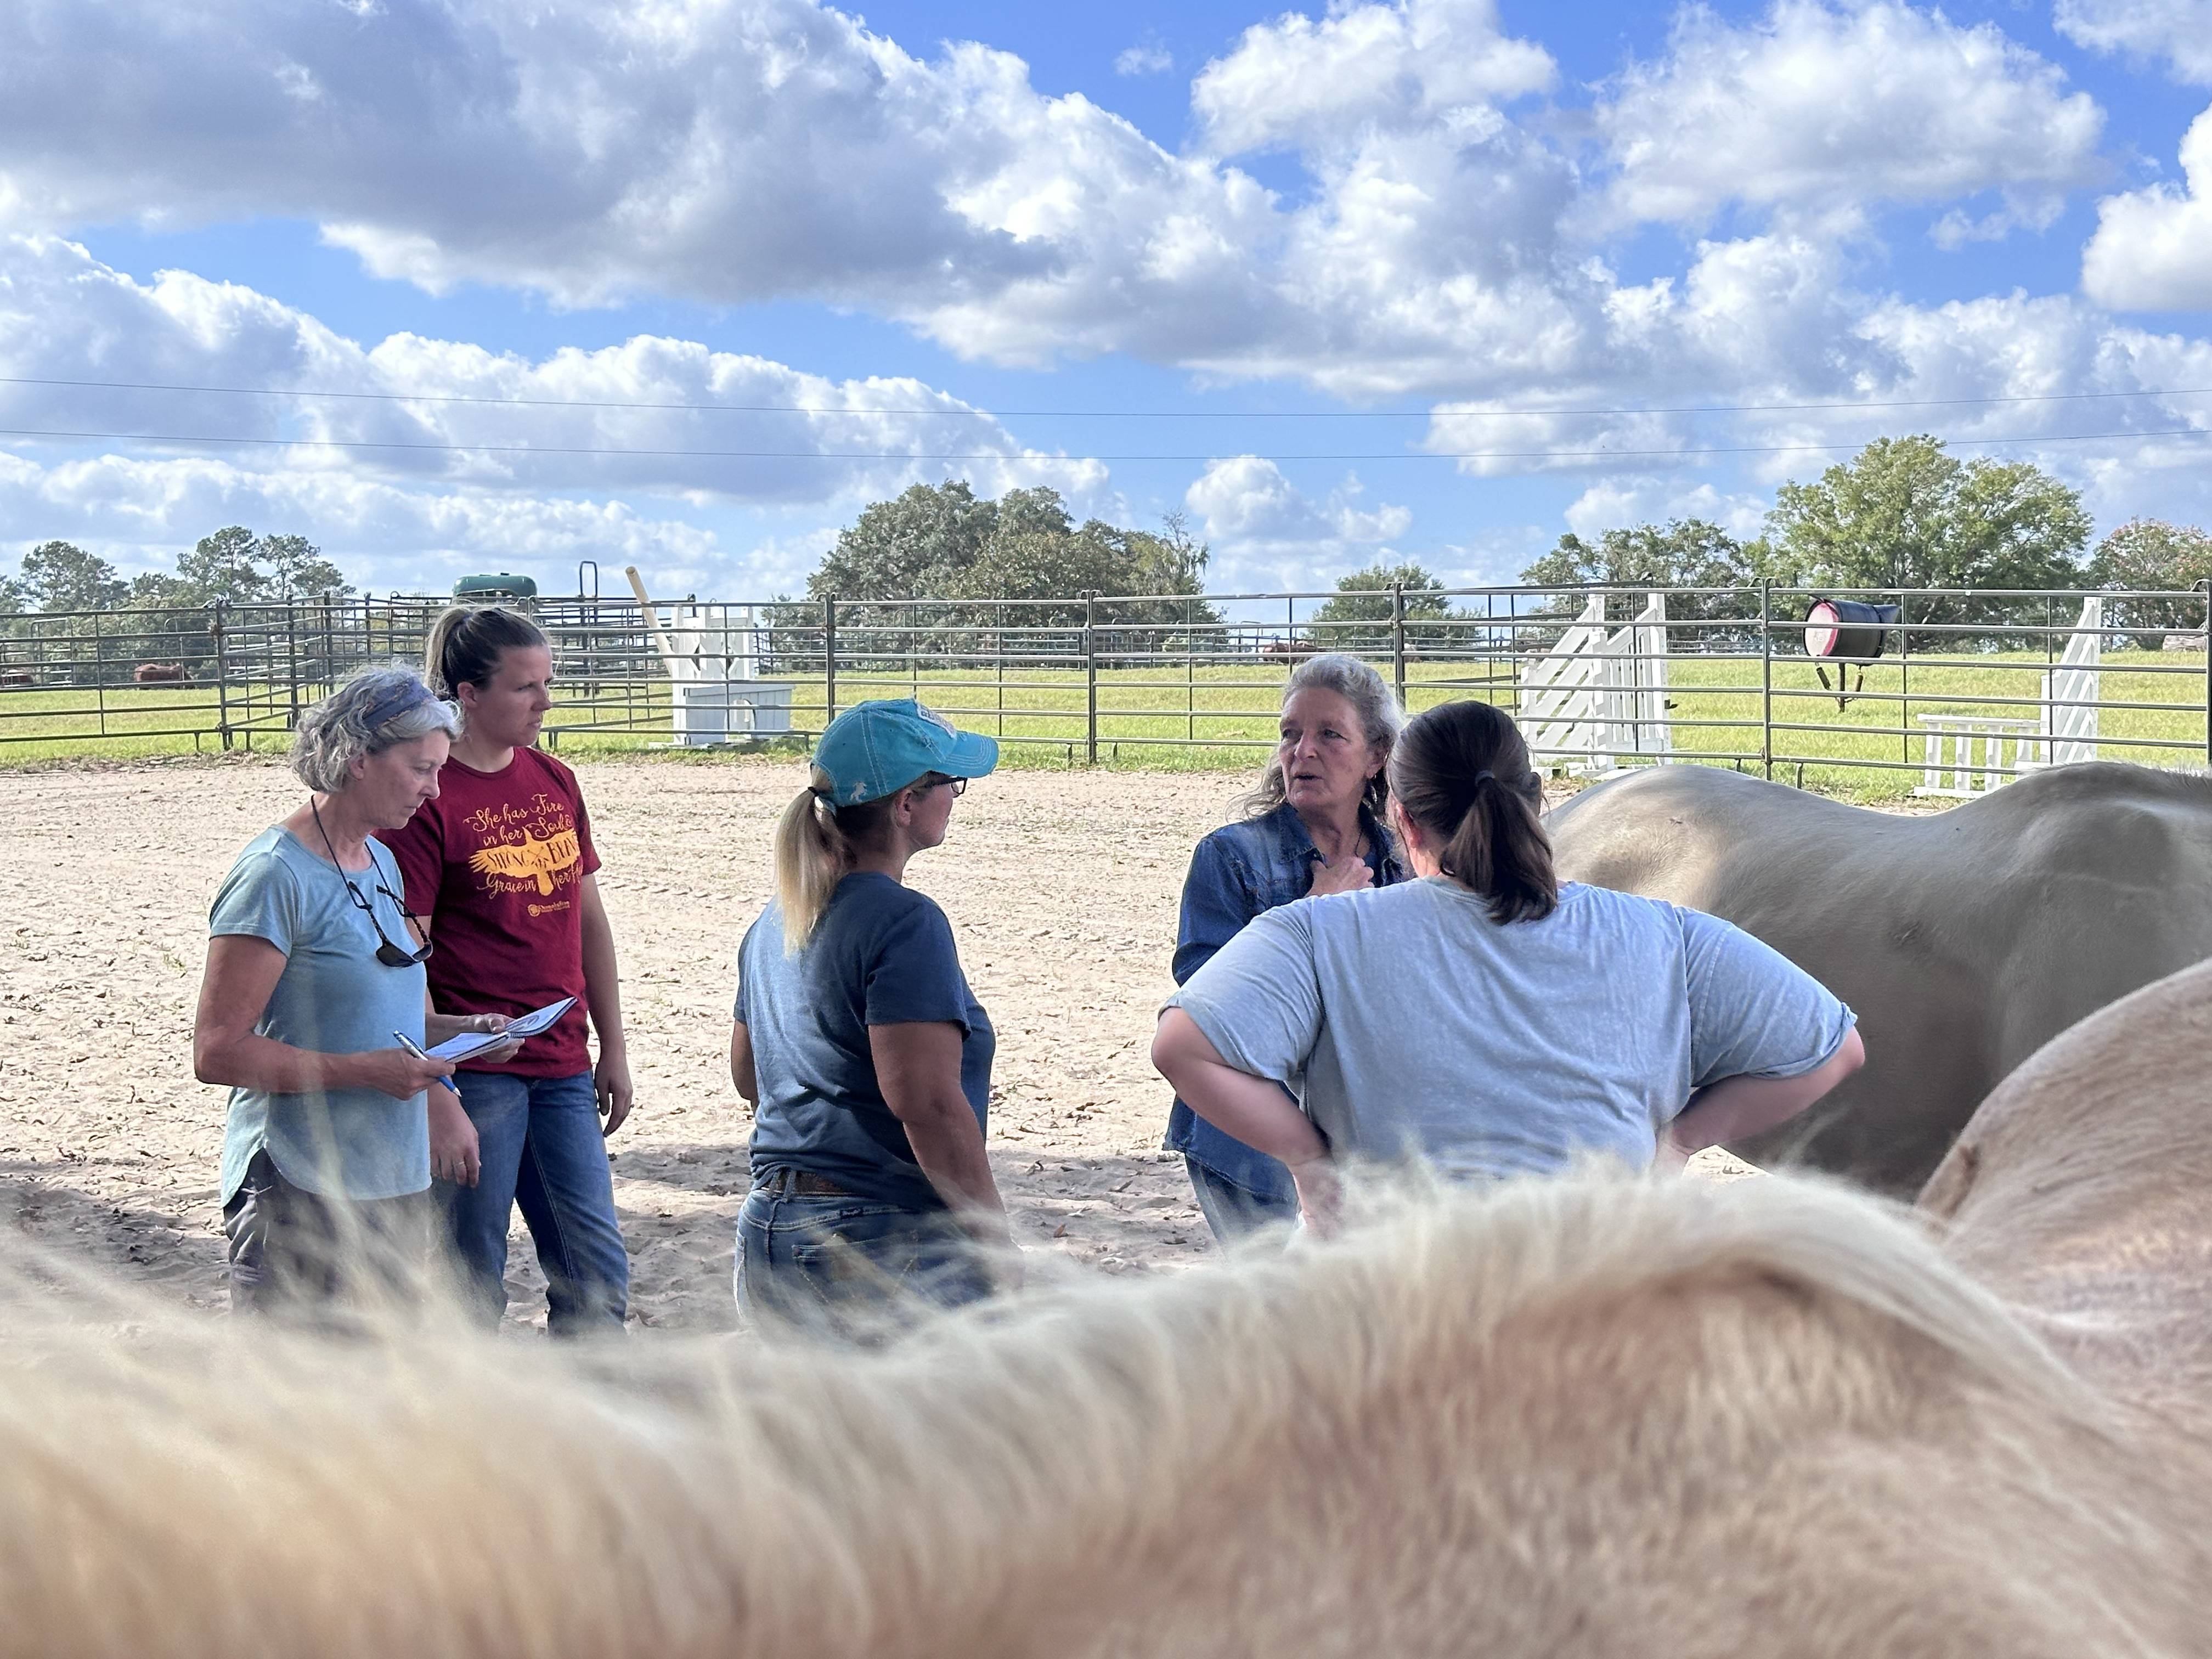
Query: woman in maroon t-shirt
499,878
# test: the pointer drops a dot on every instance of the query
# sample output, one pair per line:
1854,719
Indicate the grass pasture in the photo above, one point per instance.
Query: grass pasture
1182,717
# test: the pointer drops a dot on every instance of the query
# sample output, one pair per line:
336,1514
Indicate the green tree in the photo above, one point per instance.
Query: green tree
297,568
63,577
225,566
1683,553
170,623
2149,553
939,545
1359,617
916,542
1903,513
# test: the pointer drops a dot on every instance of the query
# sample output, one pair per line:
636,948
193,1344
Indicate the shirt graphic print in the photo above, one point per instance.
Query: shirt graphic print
496,865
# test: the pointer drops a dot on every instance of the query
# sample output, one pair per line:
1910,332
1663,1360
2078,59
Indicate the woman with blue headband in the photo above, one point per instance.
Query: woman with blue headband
313,1010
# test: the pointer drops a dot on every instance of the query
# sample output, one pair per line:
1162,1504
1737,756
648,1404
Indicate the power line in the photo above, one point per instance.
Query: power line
1097,414
1001,455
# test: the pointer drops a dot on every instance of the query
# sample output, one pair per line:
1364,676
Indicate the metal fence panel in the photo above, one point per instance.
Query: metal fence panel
1719,676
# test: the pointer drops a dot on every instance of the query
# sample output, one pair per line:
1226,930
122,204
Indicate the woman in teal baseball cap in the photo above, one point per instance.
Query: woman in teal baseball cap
856,1038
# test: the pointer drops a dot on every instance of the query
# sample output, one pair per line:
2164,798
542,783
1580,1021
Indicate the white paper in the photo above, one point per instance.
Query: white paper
530,1024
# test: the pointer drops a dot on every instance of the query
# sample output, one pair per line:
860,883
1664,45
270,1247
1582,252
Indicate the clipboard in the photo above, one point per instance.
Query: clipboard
470,1043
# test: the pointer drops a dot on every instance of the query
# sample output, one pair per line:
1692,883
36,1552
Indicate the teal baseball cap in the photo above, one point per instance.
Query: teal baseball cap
877,748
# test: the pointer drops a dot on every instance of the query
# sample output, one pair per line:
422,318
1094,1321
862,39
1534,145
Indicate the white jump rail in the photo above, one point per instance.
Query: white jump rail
2070,694
1964,756
1595,695
1967,755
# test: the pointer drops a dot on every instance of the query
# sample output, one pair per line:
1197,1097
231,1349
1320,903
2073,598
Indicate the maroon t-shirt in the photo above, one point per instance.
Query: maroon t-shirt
496,865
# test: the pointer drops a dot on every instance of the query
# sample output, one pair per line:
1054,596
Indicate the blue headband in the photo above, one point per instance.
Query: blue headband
410,695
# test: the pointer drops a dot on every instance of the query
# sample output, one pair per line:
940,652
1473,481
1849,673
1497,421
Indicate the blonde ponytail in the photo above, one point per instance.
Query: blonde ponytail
812,855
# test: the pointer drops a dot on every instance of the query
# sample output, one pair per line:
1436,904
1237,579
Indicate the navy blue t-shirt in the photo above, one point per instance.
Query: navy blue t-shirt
882,954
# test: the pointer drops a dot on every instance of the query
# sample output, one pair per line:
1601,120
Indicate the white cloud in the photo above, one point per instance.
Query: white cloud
2153,247
65,316
1957,228
1622,503
2180,31
730,149
1447,237
141,513
1820,109
1263,527
726,150
1298,83
1147,57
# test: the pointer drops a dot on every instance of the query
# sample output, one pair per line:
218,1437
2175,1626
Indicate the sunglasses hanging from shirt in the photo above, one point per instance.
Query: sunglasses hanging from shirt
390,955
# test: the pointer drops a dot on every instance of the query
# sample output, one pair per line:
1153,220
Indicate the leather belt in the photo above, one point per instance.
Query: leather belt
802,1184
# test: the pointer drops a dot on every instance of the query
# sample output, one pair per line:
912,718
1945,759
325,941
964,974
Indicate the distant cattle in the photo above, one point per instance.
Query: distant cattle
18,677
1964,939
153,673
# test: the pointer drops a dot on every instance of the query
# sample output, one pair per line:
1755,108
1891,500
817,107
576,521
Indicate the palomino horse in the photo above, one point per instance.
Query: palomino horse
1592,1419
1965,940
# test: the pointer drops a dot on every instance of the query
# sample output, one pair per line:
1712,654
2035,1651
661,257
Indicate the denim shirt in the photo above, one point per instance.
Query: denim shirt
1238,871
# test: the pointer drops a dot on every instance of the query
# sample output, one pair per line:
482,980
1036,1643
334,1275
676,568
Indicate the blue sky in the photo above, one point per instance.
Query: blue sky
1268,269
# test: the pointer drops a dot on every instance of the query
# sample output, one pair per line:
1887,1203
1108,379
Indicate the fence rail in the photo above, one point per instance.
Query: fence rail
1598,675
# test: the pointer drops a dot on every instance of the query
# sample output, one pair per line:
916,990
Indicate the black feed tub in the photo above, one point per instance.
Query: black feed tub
1841,631
1848,630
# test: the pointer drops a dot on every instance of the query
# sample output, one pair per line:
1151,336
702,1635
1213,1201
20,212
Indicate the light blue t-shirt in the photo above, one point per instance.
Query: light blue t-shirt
336,998
1411,1025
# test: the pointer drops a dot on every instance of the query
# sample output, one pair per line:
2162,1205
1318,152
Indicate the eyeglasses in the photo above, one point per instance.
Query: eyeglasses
959,787
390,955
938,780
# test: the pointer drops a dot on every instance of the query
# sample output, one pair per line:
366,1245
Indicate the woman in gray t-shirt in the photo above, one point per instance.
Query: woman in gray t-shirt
1489,1020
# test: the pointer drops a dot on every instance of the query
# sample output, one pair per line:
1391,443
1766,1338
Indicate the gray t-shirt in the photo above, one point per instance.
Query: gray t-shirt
1411,1025
334,998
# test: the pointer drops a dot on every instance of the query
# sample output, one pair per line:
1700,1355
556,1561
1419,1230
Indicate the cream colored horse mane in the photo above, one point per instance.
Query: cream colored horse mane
1521,1424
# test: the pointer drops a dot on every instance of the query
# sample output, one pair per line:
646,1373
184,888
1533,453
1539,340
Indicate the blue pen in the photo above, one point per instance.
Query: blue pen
414,1048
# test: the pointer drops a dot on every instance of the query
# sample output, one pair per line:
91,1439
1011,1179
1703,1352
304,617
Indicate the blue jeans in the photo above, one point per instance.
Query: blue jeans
539,1145
848,1266
1235,1211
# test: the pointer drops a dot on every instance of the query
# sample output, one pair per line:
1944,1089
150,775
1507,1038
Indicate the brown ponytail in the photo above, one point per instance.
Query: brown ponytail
466,642
1461,773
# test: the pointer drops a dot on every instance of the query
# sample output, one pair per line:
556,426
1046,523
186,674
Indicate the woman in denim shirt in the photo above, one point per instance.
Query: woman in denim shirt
1315,826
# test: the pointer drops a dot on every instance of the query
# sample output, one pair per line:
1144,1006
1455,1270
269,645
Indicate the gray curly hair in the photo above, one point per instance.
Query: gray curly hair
1380,721
378,708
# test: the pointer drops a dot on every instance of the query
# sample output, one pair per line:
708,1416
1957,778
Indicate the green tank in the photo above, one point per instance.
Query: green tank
492,589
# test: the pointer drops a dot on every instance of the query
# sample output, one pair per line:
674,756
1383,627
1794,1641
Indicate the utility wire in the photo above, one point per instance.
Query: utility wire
1097,414
1032,457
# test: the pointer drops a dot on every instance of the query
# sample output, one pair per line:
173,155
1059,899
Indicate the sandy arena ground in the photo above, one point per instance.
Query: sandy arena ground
1062,887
